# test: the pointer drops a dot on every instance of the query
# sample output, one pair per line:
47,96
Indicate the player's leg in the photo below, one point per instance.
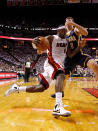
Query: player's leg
59,76
92,64
58,108
44,80
64,84
87,61
30,89
68,67
59,88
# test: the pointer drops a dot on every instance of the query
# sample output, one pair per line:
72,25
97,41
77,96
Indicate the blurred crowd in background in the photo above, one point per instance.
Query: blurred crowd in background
29,22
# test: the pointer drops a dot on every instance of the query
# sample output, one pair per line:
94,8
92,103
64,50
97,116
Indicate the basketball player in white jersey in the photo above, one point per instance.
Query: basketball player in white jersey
53,69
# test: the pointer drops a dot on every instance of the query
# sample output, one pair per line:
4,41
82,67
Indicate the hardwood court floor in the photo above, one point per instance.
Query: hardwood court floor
33,112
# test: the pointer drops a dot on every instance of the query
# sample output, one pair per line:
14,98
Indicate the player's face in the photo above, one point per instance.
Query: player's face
62,33
69,27
28,59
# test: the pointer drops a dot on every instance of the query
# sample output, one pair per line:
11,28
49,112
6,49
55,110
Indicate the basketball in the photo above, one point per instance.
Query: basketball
43,45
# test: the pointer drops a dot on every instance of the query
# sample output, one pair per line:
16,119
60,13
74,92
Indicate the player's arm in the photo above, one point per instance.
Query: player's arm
35,42
78,29
35,61
71,53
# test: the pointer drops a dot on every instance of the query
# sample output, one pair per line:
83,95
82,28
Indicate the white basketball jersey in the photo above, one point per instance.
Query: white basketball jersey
58,49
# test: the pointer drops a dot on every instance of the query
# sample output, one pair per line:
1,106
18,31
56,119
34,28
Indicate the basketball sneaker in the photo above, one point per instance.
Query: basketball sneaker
60,111
14,88
54,95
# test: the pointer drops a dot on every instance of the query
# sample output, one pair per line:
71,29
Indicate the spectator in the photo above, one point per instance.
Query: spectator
27,70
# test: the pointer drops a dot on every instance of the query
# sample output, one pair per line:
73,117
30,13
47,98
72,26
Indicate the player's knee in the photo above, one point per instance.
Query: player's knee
42,89
61,76
44,85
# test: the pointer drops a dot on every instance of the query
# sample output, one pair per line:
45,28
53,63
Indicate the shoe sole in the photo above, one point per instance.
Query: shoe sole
63,115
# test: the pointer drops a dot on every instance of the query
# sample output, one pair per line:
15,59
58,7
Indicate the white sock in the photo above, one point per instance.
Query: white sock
59,98
22,88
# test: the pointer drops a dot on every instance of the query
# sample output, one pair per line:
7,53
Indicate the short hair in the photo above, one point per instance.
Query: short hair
61,27
70,18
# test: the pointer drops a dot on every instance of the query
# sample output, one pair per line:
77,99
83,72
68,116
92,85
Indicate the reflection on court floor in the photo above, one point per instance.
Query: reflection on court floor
33,112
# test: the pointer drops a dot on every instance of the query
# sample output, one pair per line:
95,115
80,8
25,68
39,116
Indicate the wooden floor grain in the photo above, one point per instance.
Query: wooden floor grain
33,111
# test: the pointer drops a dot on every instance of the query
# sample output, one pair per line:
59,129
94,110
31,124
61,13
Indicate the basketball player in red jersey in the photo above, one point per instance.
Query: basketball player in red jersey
53,69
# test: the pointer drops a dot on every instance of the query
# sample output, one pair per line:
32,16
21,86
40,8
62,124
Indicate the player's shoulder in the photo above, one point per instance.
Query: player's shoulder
55,36
50,38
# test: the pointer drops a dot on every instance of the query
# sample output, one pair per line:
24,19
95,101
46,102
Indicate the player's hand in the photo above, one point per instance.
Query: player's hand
69,23
82,43
35,42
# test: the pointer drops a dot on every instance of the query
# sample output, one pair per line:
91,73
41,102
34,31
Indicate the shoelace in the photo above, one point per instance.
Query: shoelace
64,105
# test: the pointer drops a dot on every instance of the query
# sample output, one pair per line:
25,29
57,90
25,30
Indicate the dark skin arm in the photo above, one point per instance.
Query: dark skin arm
71,53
